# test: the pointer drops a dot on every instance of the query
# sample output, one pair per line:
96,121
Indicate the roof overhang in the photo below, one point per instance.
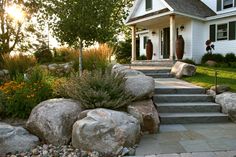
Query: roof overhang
229,14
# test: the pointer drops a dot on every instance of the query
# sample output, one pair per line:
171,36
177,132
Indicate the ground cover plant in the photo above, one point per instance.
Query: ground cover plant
205,77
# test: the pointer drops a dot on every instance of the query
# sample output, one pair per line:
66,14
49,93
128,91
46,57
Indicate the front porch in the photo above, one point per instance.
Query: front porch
163,32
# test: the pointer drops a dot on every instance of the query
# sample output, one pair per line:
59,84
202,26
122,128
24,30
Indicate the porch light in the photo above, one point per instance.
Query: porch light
153,32
181,27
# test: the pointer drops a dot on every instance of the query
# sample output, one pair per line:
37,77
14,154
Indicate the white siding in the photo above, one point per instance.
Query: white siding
213,5
141,10
198,40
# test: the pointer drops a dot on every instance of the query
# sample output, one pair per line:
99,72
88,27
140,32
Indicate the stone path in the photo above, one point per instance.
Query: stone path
190,138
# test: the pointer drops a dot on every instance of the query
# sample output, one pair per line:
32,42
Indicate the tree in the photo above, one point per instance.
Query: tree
15,23
80,23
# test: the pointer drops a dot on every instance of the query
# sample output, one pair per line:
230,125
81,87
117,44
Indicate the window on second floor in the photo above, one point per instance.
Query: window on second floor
148,5
225,4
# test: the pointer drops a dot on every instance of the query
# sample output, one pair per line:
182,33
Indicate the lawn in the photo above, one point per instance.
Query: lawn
205,77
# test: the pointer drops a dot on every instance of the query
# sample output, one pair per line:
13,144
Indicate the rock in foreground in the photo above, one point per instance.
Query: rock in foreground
15,139
52,120
147,115
228,103
106,131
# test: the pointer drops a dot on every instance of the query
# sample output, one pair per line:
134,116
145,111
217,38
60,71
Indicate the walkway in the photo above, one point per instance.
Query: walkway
188,140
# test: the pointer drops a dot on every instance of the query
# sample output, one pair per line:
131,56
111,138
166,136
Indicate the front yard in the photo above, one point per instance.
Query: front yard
205,77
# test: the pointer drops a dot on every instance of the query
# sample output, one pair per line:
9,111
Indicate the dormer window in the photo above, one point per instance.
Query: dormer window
225,4
148,5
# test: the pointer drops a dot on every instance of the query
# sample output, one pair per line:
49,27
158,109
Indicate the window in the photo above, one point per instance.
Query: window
222,33
227,4
145,39
148,5
213,33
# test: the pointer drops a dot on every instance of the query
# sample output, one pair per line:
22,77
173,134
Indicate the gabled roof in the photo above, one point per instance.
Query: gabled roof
191,7
194,8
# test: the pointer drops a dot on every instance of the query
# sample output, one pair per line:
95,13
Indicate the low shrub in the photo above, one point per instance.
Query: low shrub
123,52
189,61
18,64
99,89
23,96
230,57
2,104
44,55
219,58
64,54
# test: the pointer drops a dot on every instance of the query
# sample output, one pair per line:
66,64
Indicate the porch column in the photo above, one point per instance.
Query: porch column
133,43
172,37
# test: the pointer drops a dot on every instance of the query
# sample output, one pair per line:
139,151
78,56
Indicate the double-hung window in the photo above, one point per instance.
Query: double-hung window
148,5
225,4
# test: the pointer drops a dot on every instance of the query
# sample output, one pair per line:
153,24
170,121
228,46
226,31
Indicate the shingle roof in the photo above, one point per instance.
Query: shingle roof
191,7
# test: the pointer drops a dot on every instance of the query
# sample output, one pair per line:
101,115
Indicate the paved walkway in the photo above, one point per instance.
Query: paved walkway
189,140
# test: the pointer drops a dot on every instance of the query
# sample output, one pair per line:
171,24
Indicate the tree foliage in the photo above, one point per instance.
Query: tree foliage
86,21
16,33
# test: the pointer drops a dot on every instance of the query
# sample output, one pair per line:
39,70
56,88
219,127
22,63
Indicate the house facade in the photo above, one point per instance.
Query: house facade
197,21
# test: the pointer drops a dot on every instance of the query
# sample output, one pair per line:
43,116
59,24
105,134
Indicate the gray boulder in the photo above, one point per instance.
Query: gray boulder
52,120
15,139
141,87
228,103
221,88
131,72
147,115
118,68
105,131
181,69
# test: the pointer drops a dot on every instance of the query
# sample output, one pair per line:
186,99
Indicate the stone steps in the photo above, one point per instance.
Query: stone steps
175,98
188,107
187,118
158,73
178,102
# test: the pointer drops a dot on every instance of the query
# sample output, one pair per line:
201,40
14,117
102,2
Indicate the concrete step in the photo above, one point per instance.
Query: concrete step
155,70
188,118
180,91
188,107
175,98
159,75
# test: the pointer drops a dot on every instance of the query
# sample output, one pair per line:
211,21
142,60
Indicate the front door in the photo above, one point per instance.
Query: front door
165,43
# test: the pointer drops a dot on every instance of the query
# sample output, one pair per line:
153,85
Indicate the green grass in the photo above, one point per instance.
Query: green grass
205,77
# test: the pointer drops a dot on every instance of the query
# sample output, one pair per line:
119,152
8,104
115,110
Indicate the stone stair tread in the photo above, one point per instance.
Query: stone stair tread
187,104
181,95
178,115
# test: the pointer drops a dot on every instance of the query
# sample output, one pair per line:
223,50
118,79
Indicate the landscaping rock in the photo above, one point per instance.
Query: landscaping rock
52,67
142,87
181,69
106,131
221,88
211,63
131,72
52,120
228,103
118,68
2,73
6,72
147,115
15,139
211,93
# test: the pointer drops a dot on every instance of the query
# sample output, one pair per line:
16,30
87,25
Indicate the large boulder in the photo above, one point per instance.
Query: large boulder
211,63
220,88
118,68
52,120
147,115
105,131
15,139
181,69
142,87
228,103
131,72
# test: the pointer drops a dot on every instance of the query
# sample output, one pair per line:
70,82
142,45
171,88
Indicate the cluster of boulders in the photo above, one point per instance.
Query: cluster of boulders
107,132
4,74
59,69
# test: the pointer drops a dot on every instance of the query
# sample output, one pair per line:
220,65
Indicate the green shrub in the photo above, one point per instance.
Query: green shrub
22,97
230,57
44,55
142,57
189,61
18,64
99,90
123,52
2,104
219,58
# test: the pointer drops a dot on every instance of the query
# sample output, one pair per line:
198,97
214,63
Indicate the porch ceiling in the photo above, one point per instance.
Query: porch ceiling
160,22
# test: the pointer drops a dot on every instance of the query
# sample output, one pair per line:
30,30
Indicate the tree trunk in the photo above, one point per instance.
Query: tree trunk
81,58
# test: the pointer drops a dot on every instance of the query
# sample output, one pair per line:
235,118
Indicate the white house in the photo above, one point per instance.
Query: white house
196,20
